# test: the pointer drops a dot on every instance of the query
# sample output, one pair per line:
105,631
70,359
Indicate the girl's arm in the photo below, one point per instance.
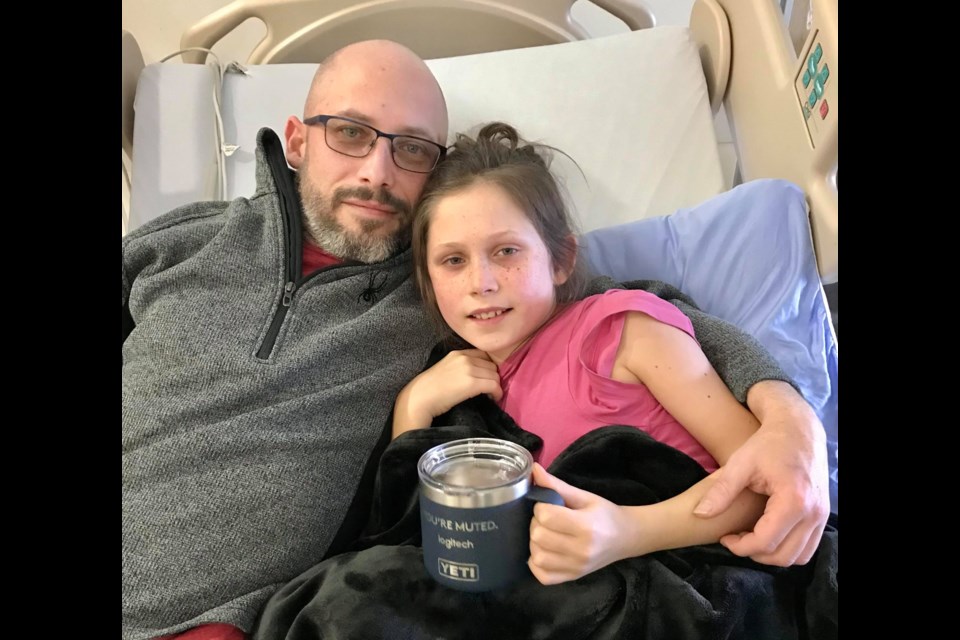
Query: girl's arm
671,524
675,370
672,366
591,532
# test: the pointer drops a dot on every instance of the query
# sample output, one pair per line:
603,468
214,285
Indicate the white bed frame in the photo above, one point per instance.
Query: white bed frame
754,63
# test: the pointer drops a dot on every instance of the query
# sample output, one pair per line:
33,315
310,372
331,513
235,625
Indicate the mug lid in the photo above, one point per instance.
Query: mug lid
475,472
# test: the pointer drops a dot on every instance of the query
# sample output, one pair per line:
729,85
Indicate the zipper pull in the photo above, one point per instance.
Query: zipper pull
288,294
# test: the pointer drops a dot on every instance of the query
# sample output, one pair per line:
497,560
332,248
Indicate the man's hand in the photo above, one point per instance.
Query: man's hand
787,461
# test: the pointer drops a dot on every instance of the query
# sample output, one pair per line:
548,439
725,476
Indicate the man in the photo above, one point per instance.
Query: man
257,382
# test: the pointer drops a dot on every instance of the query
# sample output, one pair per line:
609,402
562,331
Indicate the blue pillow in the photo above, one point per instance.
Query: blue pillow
745,256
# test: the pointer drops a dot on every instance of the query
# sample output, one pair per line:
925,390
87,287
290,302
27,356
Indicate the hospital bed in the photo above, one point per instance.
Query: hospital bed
634,112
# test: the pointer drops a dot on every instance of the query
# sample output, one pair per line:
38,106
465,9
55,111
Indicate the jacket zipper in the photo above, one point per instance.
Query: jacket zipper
290,213
271,338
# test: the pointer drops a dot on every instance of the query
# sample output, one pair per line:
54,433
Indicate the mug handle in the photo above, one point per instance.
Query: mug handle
542,494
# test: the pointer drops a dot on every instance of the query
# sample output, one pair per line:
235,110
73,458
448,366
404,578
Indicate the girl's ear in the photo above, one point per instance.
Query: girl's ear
561,272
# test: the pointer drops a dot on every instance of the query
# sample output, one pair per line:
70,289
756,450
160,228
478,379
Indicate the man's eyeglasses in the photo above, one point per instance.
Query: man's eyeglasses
355,139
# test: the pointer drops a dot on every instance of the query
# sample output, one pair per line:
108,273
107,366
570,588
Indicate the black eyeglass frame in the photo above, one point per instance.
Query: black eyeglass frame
323,119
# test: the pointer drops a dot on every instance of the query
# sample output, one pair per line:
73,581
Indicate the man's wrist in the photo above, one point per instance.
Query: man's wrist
775,396
777,405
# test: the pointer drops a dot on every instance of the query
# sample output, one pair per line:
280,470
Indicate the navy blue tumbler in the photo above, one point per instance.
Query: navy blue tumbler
476,501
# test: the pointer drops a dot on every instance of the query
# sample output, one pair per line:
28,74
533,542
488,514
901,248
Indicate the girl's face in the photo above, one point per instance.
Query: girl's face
491,273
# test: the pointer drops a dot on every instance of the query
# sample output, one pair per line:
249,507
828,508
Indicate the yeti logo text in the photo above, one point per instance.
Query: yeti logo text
458,570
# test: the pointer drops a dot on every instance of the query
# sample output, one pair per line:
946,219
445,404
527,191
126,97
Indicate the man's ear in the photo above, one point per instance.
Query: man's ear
296,134
561,272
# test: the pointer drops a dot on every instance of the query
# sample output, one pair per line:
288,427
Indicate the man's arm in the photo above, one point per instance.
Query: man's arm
126,321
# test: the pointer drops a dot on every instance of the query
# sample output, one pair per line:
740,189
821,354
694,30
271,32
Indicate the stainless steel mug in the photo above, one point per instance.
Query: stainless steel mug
476,501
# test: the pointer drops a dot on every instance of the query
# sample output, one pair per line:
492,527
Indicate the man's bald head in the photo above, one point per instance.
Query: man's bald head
377,58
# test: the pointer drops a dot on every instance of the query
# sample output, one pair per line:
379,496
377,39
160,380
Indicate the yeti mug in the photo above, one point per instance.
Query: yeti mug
476,501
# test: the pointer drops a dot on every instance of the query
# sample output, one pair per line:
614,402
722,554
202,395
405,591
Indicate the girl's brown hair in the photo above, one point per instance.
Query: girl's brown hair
498,156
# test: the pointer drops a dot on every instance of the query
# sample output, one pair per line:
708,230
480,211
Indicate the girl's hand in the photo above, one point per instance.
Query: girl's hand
569,542
459,376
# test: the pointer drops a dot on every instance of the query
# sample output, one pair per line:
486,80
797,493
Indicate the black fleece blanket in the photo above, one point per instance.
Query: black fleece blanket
381,589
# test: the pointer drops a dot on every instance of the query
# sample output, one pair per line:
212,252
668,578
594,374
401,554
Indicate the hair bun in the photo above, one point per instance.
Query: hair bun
499,133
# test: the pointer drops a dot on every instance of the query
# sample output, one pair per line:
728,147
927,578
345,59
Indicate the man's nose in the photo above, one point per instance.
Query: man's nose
377,168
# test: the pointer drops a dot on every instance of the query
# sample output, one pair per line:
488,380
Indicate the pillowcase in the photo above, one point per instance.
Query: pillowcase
745,256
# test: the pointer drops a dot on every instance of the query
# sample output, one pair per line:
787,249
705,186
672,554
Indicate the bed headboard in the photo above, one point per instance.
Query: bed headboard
310,30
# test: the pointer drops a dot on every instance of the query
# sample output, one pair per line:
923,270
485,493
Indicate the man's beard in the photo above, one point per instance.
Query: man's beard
366,246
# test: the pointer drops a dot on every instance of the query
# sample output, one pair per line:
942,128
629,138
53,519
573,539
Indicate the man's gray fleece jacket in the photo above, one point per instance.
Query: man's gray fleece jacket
253,398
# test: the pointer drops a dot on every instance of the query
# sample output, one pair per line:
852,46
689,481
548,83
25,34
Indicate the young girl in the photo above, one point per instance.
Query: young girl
496,262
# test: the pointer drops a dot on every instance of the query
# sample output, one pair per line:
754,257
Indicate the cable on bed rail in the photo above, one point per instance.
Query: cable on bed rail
225,149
